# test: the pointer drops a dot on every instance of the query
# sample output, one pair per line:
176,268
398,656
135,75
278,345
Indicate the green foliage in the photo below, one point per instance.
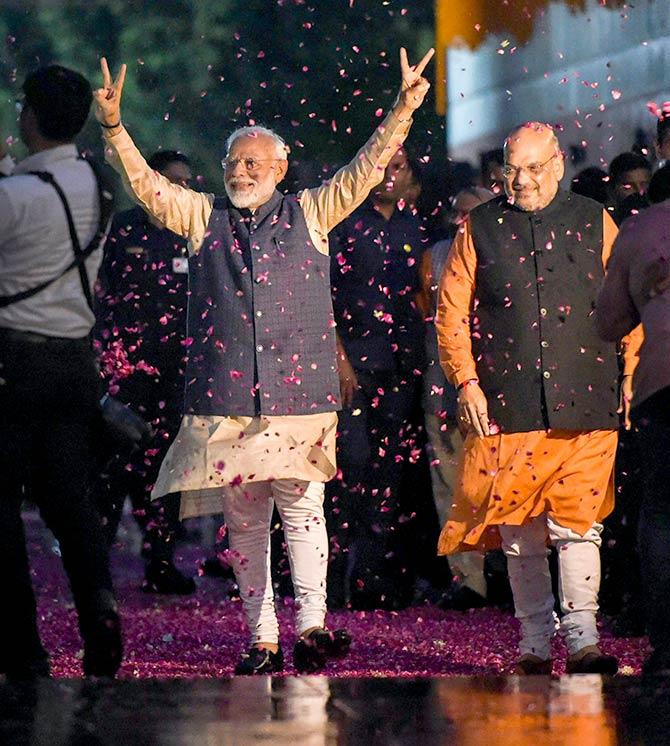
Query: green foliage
316,71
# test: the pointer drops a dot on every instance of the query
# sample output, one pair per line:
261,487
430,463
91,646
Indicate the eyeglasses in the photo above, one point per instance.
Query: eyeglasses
535,169
250,164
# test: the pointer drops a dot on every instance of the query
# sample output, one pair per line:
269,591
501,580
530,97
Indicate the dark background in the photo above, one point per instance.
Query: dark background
317,72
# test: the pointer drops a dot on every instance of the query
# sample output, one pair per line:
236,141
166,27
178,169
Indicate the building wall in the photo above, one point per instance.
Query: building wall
591,73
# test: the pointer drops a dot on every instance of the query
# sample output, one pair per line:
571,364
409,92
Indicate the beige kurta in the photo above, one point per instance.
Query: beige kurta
211,452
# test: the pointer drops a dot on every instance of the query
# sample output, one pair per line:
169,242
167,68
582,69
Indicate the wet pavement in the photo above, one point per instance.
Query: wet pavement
315,711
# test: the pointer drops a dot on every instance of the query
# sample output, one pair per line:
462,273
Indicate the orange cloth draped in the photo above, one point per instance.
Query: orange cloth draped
507,479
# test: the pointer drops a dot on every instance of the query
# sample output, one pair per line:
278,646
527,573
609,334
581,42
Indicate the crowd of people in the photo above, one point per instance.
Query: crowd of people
390,386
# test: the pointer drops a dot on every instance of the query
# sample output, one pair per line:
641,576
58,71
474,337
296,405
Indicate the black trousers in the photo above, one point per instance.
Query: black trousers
159,401
49,392
363,505
651,420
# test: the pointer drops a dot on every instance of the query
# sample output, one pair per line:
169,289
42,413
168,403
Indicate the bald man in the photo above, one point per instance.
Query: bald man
537,394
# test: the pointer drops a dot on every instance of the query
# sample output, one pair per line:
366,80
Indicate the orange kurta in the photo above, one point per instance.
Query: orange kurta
508,478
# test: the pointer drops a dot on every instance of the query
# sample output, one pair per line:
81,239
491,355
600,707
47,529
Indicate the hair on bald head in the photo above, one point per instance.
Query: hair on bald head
540,128
281,149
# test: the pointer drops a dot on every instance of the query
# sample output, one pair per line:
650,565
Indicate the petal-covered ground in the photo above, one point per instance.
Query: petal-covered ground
202,635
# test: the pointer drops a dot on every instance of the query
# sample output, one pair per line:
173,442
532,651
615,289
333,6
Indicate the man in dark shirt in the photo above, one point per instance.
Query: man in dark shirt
141,326
375,279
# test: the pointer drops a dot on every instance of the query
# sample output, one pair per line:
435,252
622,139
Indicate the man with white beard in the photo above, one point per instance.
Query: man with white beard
262,387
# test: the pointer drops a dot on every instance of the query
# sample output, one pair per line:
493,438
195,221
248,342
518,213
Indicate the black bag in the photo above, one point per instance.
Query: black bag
123,429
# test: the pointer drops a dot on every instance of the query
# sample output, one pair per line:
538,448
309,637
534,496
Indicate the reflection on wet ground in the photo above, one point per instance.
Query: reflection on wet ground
315,711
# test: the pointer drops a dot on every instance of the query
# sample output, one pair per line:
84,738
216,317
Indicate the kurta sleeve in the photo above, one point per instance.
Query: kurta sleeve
617,318
454,306
181,210
327,205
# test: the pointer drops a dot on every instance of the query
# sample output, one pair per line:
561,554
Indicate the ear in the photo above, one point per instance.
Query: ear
280,171
559,166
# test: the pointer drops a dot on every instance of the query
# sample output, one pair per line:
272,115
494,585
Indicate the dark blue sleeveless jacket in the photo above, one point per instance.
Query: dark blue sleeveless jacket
539,359
261,334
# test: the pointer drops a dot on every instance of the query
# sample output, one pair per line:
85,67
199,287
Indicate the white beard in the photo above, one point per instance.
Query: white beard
255,198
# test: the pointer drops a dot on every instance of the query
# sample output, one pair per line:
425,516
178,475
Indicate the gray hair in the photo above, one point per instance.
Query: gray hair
281,149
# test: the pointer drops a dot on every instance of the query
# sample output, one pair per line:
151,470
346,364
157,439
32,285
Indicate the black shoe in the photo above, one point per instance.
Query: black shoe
593,662
531,665
260,661
162,576
213,568
103,647
462,598
311,653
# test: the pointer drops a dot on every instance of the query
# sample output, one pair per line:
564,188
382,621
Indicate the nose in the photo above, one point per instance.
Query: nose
237,168
521,178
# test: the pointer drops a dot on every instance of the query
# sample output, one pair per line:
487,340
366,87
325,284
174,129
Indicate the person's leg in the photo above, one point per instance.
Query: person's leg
526,550
109,491
63,497
578,583
20,646
346,493
247,511
620,594
653,433
65,428
159,519
377,572
445,448
300,505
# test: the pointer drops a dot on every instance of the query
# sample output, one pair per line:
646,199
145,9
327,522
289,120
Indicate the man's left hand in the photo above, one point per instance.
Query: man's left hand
414,87
625,397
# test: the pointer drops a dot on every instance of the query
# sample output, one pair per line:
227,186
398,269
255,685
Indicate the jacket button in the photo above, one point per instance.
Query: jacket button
259,313
543,312
547,374
544,343
259,348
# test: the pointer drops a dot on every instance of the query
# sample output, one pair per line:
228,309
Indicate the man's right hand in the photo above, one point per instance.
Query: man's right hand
473,409
348,380
108,98
655,279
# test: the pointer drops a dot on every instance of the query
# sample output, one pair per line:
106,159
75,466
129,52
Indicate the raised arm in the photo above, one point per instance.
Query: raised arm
183,211
330,203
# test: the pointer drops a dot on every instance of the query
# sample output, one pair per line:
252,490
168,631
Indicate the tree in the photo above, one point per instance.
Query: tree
317,72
